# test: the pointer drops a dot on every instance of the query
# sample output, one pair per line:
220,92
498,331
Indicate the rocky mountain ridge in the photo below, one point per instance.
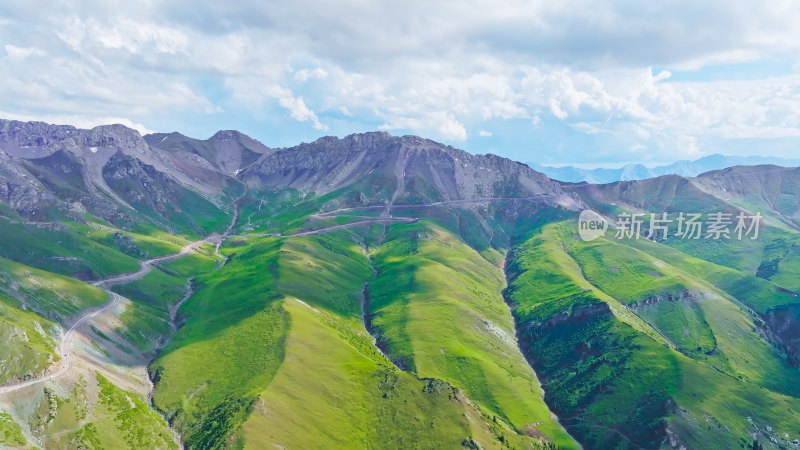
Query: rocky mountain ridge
117,174
419,169
114,172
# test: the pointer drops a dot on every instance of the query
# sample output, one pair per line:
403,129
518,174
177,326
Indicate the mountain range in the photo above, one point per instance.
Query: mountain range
162,291
684,168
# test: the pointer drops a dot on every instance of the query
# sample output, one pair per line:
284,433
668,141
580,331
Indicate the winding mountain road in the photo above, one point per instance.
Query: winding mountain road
144,268
149,264
384,219
64,348
338,227
354,224
428,205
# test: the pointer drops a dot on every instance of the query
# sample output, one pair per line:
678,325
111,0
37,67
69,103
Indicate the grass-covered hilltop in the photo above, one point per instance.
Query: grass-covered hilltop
380,292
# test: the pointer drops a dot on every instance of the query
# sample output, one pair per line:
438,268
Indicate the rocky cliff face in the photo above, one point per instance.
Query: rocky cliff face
115,173
227,151
21,191
51,172
781,328
417,170
32,139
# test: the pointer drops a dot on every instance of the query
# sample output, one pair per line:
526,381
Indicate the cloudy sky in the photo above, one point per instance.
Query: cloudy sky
572,81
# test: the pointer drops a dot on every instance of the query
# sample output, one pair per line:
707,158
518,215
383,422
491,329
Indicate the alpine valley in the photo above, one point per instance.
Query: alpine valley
377,291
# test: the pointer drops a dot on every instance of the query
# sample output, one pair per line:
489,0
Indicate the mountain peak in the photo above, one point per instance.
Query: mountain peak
370,135
366,138
226,135
104,135
405,169
18,134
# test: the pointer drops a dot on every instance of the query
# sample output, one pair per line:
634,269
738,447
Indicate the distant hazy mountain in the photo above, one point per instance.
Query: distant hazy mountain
683,168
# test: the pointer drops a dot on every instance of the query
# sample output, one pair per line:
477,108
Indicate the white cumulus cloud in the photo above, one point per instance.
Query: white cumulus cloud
636,75
299,111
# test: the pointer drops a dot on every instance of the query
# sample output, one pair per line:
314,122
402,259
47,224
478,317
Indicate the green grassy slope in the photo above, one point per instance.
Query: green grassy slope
61,250
349,398
437,307
617,380
28,343
235,331
687,310
146,321
10,432
87,250
286,314
144,243
32,303
51,295
191,264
